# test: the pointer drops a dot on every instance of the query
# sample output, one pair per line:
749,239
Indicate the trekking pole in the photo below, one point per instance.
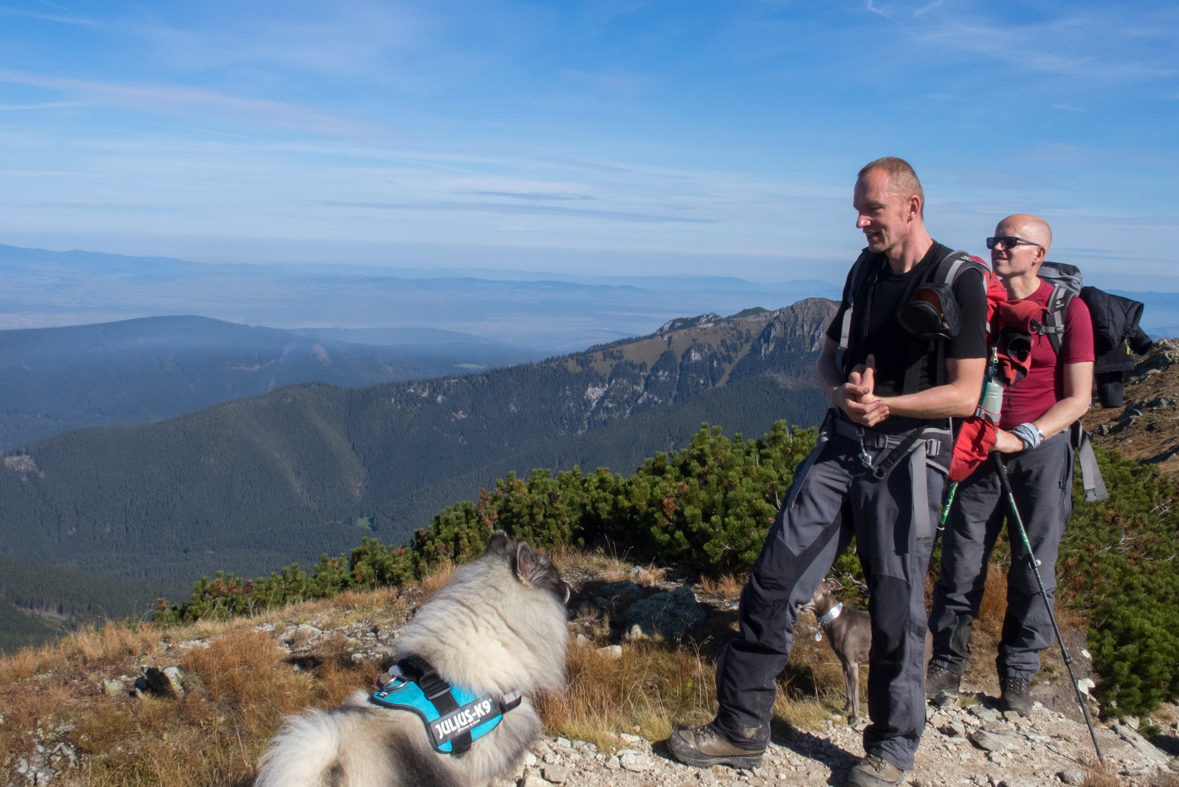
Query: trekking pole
1068,662
941,521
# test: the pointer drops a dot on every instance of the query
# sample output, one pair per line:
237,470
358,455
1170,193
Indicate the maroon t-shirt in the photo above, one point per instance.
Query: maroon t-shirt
1043,387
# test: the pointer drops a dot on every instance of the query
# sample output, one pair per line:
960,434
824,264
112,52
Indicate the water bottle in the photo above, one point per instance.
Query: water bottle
992,400
990,404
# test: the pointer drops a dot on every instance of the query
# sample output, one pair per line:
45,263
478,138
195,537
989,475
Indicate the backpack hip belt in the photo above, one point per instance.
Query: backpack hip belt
927,446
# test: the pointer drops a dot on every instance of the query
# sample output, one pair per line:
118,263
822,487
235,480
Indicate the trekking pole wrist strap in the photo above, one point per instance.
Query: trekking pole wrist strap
1029,434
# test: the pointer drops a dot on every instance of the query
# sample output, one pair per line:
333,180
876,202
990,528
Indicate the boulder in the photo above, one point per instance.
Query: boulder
670,615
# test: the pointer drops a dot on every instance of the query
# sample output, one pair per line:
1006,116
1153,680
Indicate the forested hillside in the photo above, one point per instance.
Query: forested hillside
38,602
256,483
53,380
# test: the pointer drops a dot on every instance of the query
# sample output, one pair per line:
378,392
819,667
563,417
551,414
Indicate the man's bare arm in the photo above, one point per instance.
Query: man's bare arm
1078,388
956,399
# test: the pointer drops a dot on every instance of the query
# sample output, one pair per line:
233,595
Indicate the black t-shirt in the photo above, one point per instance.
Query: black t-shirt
893,346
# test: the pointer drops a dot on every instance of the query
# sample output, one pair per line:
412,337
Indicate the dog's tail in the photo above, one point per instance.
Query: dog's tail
306,749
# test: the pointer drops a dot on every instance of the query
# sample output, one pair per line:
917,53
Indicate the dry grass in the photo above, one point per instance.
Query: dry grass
725,586
238,688
1099,774
575,564
652,688
240,684
657,687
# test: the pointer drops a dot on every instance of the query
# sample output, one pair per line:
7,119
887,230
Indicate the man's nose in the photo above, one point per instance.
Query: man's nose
861,221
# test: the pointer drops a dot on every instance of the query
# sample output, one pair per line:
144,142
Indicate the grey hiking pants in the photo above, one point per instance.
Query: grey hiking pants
1042,481
832,498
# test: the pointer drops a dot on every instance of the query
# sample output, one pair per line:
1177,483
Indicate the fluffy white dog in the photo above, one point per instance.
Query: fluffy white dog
497,628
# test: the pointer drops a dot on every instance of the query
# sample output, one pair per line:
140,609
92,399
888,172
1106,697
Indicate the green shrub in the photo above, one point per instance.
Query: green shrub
711,505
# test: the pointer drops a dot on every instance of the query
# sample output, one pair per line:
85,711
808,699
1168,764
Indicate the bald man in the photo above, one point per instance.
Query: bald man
1034,434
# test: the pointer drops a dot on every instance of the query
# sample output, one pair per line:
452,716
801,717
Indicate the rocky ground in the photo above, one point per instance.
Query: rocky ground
973,745
966,740
1146,427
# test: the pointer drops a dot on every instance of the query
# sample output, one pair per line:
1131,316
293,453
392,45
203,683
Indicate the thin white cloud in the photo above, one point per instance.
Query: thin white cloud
623,83
44,105
872,7
531,210
66,20
925,9
1086,46
184,100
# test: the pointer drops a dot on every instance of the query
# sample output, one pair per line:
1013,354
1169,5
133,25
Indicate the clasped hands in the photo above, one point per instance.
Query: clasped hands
856,397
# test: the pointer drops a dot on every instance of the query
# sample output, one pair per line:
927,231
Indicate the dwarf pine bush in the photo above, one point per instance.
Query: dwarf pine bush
710,506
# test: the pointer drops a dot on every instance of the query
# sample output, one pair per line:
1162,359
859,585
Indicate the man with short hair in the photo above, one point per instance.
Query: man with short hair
876,473
1034,437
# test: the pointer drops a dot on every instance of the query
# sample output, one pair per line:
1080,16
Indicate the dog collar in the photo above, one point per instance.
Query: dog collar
454,715
831,615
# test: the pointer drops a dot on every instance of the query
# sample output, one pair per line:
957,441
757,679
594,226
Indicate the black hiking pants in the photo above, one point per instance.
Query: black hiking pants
1042,481
832,498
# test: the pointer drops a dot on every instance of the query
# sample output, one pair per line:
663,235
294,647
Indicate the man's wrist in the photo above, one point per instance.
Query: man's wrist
1029,434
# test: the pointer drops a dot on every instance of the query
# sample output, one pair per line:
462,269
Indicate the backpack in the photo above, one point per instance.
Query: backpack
1115,319
863,277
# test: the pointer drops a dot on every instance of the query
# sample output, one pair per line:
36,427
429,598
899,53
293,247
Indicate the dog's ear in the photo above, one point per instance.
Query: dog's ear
834,584
500,545
535,570
528,564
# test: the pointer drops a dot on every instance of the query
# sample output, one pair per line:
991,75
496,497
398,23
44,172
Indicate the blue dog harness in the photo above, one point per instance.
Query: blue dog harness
454,716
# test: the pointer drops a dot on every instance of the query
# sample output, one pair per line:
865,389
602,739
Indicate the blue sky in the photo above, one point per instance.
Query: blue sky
614,138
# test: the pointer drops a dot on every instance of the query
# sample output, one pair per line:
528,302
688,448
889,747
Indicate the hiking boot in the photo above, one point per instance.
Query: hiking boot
703,747
1017,694
939,679
875,771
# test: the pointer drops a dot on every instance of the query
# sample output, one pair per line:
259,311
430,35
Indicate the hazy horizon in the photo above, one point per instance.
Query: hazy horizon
607,138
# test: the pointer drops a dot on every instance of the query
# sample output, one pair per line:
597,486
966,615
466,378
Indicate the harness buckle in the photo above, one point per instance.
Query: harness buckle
865,457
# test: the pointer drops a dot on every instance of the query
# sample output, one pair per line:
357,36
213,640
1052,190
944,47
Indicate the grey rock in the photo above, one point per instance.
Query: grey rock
953,729
557,774
634,761
1144,748
945,700
983,713
671,614
626,736
114,688
612,651
532,780
1074,777
175,675
613,763
161,684
992,741
551,757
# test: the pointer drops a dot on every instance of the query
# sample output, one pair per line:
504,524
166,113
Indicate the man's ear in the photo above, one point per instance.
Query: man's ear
914,206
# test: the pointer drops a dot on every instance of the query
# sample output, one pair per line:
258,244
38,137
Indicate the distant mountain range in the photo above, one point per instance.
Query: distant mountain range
53,380
253,484
552,313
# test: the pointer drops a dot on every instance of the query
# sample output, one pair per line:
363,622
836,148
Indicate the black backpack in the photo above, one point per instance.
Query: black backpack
1115,326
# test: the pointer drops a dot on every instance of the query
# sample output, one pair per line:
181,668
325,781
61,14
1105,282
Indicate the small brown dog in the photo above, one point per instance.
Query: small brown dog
850,633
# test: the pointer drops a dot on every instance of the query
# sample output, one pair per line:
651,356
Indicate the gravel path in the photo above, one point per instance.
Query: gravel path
961,746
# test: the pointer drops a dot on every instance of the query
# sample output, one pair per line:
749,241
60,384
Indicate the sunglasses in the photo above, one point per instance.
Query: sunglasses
1009,242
